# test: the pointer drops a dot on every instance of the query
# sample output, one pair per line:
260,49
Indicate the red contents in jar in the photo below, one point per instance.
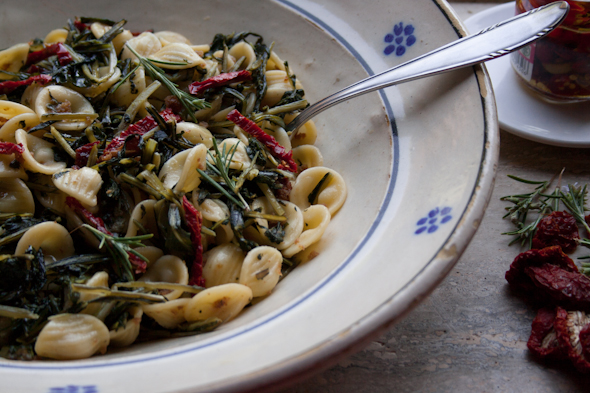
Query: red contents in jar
560,61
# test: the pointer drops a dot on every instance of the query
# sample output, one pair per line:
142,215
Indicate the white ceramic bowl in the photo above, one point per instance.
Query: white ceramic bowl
419,161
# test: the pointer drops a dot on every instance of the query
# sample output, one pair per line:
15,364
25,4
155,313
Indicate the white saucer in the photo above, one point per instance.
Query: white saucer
520,112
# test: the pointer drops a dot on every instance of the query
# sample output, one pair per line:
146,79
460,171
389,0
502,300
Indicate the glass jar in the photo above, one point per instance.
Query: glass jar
557,67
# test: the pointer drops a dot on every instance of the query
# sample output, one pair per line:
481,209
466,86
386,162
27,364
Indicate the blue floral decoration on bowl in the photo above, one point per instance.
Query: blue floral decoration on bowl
74,389
433,220
399,39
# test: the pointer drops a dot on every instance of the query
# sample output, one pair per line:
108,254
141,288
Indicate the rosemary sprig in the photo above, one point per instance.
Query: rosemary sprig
119,249
575,201
523,203
189,102
220,167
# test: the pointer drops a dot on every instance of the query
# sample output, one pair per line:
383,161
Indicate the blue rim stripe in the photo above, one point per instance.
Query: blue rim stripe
378,219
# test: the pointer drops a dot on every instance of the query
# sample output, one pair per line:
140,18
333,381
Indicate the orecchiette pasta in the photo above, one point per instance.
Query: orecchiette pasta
16,197
316,218
332,193
72,336
168,268
123,336
261,270
52,238
148,185
60,99
223,265
38,156
169,314
12,59
223,302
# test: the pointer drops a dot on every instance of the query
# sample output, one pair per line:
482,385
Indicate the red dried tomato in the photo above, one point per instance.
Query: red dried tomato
8,87
568,325
269,141
140,264
543,340
559,285
557,229
87,216
195,221
83,152
139,128
516,276
11,148
219,80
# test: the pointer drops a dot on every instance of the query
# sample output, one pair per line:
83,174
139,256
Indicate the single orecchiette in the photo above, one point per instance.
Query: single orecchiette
223,302
274,62
306,135
98,29
52,238
23,121
195,133
145,44
7,169
180,171
60,99
168,314
125,336
168,268
245,50
189,177
278,83
261,270
169,37
57,35
130,89
55,200
12,59
38,154
177,56
99,279
143,214
239,159
332,193
307,156
317,218
72,336
222,265
82,184
15,197
292,226
9,109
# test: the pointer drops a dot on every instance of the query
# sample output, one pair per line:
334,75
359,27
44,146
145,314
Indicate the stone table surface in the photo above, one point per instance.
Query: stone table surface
470,335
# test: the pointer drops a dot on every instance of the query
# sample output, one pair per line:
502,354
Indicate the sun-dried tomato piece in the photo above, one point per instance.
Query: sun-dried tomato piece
139,128
557,229
568,325
8,87
219,80
194,220
516,276
11,148
567,288
267,140
57,49
140,264
87,216
543,340
83,153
